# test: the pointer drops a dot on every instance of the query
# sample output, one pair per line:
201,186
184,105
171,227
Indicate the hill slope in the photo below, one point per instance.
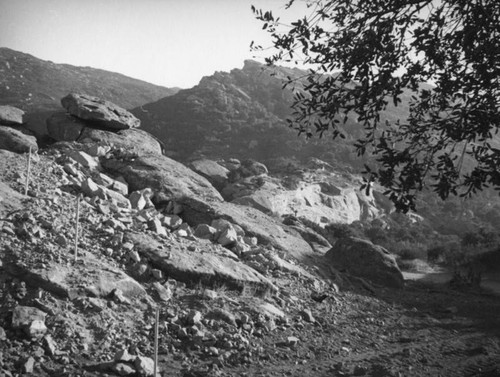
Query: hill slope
35,85
235,114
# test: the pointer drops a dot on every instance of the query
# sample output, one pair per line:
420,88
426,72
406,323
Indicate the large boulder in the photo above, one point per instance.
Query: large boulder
62,126
97,278
364,259
11,116
215,173
255,224
16,141
169,179
133,140
98,111
211,266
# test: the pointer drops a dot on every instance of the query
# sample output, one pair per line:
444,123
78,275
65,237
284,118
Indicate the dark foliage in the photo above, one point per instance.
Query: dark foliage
368,56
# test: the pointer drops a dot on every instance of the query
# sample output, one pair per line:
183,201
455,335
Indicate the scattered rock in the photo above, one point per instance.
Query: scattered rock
123,369
255,223
270,311
307,316
144,366
172,221
205,231
222,315
157,274
36,329
84,159
292,341
141,199
155,226
50,345
164,292
249,168
194,317
228,237
124,356
28,365
29,319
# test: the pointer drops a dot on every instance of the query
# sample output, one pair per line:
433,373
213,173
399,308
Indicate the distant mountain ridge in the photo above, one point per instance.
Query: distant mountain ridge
36,85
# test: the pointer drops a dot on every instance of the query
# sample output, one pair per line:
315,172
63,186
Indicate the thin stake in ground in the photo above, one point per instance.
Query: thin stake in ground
28,170
77,219
157,320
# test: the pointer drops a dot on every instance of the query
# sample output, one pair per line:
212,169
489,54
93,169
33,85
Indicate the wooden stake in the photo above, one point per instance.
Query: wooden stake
157,320
28,173
77,219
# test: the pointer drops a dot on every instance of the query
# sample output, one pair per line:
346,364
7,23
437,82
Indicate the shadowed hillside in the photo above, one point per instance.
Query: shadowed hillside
237,114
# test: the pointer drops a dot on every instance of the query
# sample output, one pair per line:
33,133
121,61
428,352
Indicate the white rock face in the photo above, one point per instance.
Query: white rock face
319,202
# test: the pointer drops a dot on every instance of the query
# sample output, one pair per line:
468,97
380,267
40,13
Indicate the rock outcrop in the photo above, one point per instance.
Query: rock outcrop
267,230
101,112
134,141
364,259
207,264
319,197
100,128
168,178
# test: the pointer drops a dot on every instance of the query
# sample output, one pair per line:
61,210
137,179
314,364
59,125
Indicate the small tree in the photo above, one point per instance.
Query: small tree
441,58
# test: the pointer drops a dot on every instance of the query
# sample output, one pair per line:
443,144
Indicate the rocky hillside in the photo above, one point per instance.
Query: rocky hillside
238,114
36,85
100,234
241,114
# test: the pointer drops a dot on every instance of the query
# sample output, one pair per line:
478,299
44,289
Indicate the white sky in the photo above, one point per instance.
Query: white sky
165,42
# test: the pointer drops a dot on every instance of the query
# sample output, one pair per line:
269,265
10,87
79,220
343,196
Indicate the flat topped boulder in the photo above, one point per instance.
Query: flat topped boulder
364,259
99,112
11,116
